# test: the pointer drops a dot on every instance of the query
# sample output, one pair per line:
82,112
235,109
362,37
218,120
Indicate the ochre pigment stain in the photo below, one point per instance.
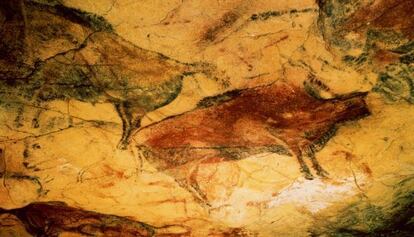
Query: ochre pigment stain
385,14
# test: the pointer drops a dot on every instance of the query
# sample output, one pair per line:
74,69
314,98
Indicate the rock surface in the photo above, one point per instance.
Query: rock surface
77,77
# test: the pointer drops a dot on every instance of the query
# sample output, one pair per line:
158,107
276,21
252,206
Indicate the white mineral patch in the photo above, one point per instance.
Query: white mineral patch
316,194
313,195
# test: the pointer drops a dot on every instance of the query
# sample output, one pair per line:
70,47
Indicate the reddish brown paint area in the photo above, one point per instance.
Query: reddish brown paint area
279,118
382,58
366,169
53,218
393,14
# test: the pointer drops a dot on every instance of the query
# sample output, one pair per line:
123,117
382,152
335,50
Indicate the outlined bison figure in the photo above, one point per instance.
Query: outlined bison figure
279,118
52,52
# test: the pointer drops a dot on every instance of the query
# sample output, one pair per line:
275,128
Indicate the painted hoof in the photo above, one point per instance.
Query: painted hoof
308,175
322,173
122,146
35,123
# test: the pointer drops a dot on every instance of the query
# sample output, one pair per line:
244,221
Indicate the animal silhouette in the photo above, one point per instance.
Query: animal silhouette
51,52
279,118
50,219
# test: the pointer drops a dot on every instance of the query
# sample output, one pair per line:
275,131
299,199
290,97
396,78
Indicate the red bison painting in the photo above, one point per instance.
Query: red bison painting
280,118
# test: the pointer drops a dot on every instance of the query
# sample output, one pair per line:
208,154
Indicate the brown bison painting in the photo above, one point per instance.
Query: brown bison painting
279,118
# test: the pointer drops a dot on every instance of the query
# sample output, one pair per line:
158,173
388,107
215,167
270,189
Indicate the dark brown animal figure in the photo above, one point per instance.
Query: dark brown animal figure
50,219
52,52
279,118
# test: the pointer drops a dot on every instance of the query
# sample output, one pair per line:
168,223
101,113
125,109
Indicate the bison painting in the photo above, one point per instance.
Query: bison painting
280,118
52,52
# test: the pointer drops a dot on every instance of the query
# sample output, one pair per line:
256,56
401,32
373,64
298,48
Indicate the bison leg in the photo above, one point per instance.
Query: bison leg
126,124
315,164
129,123
187,179
39,111
190,184
18,120
303,166
194,188
35,120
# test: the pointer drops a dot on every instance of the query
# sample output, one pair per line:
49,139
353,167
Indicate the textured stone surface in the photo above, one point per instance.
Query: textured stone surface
140,118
